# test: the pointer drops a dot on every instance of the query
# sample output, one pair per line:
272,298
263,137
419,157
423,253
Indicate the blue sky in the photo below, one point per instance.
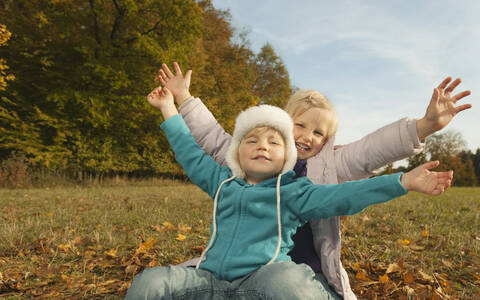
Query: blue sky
377,61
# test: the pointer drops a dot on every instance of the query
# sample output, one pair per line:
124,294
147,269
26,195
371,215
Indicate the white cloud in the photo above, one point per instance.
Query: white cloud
377,61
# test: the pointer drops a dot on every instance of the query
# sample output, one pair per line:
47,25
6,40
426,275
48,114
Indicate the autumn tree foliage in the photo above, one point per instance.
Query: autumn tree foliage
273,84
82,70
449,148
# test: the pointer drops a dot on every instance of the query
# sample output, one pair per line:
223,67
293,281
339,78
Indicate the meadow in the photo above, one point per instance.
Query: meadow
83,242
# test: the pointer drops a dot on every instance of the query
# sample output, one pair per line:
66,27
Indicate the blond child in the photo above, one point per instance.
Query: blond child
258,204
318,242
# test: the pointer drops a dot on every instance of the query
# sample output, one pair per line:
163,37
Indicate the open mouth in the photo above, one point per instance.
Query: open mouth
302,147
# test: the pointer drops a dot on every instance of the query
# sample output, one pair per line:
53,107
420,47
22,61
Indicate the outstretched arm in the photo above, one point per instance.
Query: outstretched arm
206,131
422,180
441,109
401,139
200,168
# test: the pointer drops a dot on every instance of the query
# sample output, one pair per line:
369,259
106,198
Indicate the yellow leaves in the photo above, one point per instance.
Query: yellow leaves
403,242
180,237
169,225
64,247
112,253
146,246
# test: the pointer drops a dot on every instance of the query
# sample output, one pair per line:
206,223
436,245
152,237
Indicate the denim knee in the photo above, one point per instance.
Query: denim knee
150,284
288,280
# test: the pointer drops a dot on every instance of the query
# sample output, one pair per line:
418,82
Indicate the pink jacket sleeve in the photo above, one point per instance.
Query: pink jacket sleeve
386,145
205,129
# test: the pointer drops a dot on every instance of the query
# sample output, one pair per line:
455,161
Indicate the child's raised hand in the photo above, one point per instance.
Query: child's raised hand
178,85
421,179
441,109
160,98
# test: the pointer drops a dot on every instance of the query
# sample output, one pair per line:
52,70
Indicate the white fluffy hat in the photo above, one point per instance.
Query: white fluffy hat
258,116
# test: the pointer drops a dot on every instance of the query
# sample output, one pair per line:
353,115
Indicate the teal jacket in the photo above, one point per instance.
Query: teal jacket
246,215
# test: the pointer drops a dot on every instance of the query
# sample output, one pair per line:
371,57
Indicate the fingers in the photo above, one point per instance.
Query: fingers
162,77
178,71
188,76
460,96
431,164
453,85
444,83
167,71
462,108
435,96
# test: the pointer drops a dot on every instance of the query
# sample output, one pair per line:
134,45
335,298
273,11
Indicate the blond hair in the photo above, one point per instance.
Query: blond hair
303,100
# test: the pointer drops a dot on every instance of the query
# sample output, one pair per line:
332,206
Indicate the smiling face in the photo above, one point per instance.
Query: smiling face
261,154
310,131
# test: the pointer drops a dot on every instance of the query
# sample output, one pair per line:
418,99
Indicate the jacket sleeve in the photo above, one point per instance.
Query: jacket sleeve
386,145
200,168
348,198
205,129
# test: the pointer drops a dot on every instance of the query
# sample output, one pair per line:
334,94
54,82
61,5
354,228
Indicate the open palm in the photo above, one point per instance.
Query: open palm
422,180
442,109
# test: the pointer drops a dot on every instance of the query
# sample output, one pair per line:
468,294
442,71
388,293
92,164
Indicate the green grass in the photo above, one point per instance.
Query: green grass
81,242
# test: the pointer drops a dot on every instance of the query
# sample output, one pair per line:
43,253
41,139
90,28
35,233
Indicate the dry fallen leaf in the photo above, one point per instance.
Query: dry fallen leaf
383,278
408,277
403,242
112,253
181,237
169,225
392,268
145,246
362,275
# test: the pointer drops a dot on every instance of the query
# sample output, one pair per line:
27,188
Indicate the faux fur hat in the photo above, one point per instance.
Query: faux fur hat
259,116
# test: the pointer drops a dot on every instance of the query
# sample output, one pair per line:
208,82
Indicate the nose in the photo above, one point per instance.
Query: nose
262,145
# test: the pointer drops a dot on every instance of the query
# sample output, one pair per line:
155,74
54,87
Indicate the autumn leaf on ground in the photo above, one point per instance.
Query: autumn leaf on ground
184,228
64,247
169,225
392,268
383,278
403,242
112,253
181,237
145,246
408,277
362,275
425,233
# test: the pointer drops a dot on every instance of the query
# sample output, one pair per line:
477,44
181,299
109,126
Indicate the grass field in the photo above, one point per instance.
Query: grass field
81,242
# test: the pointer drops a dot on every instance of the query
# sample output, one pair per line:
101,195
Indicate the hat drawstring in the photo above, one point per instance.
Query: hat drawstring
279,220
202,257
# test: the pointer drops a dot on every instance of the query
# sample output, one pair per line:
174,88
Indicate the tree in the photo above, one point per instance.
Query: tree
4,76
273,83
83,70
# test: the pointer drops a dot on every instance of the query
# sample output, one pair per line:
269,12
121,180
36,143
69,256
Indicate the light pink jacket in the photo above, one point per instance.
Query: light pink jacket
353,161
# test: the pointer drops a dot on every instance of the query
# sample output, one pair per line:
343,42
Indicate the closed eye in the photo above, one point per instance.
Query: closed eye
299,125
318,133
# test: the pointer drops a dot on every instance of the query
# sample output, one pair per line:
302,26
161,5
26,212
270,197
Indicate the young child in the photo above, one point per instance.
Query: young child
258,204
318,242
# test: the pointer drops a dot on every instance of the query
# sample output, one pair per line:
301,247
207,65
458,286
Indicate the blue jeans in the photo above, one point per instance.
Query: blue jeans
281,280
